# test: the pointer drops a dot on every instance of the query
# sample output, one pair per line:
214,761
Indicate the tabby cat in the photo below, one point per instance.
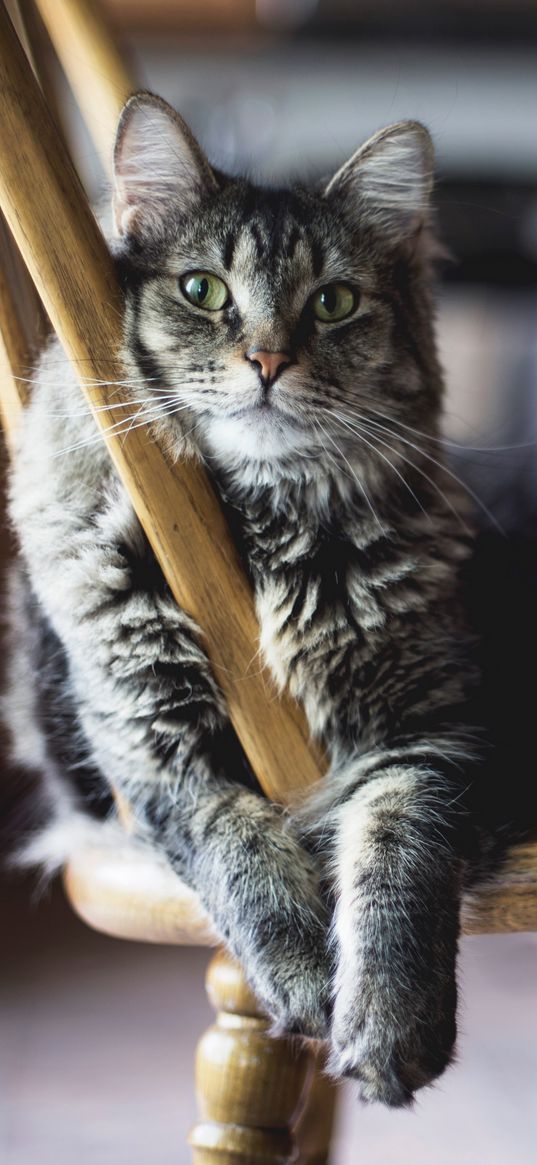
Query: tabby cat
287,338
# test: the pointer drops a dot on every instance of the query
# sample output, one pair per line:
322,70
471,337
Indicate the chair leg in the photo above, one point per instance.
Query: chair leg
251,1086
313,1131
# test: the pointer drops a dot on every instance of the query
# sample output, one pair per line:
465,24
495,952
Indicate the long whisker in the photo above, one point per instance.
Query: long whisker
444,469
109,408
384,458
125,381
100,435
413,465
356,478
133,424
120,427
328,455
159,415
461,447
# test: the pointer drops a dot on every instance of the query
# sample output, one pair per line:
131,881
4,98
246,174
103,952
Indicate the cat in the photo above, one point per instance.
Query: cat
286,337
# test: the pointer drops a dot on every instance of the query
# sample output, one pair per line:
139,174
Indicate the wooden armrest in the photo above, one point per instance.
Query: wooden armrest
130,893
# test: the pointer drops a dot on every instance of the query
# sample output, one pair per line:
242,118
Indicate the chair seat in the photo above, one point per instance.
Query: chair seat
129,892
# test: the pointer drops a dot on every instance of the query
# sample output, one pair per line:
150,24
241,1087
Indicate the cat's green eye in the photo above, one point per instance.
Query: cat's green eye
334,302
205,290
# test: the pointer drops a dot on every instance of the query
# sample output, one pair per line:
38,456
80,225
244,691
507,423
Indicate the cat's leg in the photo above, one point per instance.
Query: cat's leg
155,723
260,889
396,928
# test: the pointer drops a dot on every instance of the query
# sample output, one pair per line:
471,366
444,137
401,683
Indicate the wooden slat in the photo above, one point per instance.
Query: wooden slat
180,16
92,64
22,328
74,275
19,21
39,51
13,347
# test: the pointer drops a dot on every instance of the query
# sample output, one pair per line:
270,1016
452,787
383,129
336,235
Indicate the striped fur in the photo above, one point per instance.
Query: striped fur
345,911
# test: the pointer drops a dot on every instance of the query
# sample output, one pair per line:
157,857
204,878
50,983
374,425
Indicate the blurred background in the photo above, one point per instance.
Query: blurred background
97,1050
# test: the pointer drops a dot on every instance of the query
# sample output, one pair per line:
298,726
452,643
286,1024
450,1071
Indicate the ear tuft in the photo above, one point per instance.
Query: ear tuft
156,160
387,183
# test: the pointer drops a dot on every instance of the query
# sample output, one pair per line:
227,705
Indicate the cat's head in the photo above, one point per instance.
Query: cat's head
283,324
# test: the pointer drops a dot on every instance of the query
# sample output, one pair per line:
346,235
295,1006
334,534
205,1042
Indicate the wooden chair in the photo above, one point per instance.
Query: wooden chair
262,1100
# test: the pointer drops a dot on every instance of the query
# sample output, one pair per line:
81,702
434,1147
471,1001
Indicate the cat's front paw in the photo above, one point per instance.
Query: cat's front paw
393,1044
293,988
262,892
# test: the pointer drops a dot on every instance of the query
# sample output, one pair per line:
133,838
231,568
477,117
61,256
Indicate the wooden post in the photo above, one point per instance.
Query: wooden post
74,274
22,330
251,1087
92,64
313,1132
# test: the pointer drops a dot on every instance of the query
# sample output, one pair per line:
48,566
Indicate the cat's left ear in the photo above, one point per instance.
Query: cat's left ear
156,160
387,183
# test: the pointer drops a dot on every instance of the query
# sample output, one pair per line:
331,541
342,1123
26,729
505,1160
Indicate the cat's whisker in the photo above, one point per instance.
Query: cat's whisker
151,418
387,460
412,464
86,412
112,430
462,447
162,411
134,422
445,469
115,365
355,476
117,429
131,383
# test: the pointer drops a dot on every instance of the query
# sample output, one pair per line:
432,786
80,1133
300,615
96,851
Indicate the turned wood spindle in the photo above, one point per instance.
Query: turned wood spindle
251,1087
313,1131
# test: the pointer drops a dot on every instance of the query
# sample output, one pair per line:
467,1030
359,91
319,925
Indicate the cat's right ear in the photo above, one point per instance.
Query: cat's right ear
387,183
156,159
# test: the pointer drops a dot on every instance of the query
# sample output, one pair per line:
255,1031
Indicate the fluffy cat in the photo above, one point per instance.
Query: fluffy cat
287,337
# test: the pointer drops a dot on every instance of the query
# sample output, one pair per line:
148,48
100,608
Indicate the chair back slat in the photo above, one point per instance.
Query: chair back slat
93,65
22,331
75,277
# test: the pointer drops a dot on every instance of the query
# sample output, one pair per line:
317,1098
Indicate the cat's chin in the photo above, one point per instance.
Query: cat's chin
257,435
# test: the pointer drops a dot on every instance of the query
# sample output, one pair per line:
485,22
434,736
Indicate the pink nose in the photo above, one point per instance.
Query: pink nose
270,364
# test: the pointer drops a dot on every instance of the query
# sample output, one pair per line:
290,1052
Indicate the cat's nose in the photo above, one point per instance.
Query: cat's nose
269,364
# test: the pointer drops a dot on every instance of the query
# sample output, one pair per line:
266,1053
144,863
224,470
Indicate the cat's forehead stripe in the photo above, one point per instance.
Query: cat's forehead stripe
292,242
228,249
271,242
278,236
317,256
259,240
